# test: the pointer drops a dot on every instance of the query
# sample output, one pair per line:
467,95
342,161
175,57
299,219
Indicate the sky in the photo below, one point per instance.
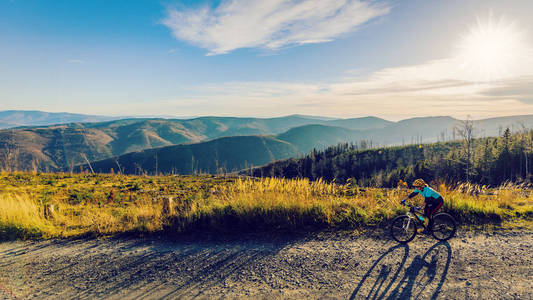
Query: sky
337,58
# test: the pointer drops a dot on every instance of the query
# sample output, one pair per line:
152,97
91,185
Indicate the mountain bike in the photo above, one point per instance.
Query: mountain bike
404,227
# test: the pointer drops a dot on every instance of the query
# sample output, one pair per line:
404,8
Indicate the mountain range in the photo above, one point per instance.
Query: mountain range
18,118
211,144
22,118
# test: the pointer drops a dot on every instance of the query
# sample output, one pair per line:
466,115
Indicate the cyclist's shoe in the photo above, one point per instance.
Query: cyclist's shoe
426,231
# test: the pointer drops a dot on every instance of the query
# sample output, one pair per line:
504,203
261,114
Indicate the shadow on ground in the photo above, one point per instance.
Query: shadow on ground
391,278
135,268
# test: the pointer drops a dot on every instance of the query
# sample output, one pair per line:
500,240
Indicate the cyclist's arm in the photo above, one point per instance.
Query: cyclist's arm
412,194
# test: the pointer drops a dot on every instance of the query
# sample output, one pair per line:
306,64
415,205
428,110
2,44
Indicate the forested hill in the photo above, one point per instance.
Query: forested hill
489,161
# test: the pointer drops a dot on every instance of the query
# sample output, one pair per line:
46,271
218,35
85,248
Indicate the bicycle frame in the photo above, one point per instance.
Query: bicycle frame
412,214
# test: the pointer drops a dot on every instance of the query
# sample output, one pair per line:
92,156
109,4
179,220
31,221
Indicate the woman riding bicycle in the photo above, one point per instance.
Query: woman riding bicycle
433,200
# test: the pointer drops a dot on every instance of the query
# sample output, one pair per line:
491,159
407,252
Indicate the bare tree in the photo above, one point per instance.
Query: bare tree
526,148
466,132
88,162
118,165
156,165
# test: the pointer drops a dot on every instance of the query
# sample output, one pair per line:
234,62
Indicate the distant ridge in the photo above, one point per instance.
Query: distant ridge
18,118
321,118
361,123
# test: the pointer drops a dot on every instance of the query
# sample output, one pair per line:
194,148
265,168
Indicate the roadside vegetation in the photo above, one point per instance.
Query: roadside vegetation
50,205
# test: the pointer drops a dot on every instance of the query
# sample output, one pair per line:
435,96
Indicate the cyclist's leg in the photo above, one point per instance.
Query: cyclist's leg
433,209
428,207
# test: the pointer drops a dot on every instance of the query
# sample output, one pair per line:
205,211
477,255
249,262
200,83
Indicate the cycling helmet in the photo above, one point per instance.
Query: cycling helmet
419,183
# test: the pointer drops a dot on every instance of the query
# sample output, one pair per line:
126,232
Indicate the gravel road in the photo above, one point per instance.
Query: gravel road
332,265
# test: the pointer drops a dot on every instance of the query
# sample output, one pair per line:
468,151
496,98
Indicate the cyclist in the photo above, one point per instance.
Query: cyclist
433,200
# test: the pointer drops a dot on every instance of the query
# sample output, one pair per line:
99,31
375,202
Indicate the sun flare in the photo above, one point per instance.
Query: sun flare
492,50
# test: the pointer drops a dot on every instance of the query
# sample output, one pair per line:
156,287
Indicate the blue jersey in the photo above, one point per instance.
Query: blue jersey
427,192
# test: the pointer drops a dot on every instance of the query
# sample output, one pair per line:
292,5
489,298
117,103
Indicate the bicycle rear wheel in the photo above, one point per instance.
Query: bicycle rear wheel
444,227
403,229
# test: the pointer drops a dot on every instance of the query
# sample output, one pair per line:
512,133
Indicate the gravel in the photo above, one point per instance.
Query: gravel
325,265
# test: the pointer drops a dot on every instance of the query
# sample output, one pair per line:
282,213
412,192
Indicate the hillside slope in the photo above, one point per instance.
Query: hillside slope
219,155
414,130
496,126
308,137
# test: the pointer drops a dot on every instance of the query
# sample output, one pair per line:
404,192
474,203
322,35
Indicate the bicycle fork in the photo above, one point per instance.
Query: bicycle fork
406,226
414,219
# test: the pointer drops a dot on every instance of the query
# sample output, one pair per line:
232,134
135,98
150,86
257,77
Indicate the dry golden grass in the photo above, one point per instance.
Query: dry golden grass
21,217
111,204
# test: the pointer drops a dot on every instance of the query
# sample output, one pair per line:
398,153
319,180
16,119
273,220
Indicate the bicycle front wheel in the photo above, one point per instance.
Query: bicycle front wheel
444,227
403,229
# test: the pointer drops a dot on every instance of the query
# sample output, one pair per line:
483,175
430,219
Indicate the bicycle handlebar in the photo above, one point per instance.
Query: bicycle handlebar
412,207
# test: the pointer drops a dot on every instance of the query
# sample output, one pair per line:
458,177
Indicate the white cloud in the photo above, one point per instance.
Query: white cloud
270,24
520,88
433,88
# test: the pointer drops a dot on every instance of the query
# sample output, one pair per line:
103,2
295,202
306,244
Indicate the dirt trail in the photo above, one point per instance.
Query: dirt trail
343,265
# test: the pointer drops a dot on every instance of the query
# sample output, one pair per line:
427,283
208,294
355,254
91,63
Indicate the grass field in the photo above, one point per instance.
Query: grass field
105,204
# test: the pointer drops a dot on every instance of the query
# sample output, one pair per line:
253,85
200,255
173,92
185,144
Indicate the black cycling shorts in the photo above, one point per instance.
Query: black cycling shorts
432,206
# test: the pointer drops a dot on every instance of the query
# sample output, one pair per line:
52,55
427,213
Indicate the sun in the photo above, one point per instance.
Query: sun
492,50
